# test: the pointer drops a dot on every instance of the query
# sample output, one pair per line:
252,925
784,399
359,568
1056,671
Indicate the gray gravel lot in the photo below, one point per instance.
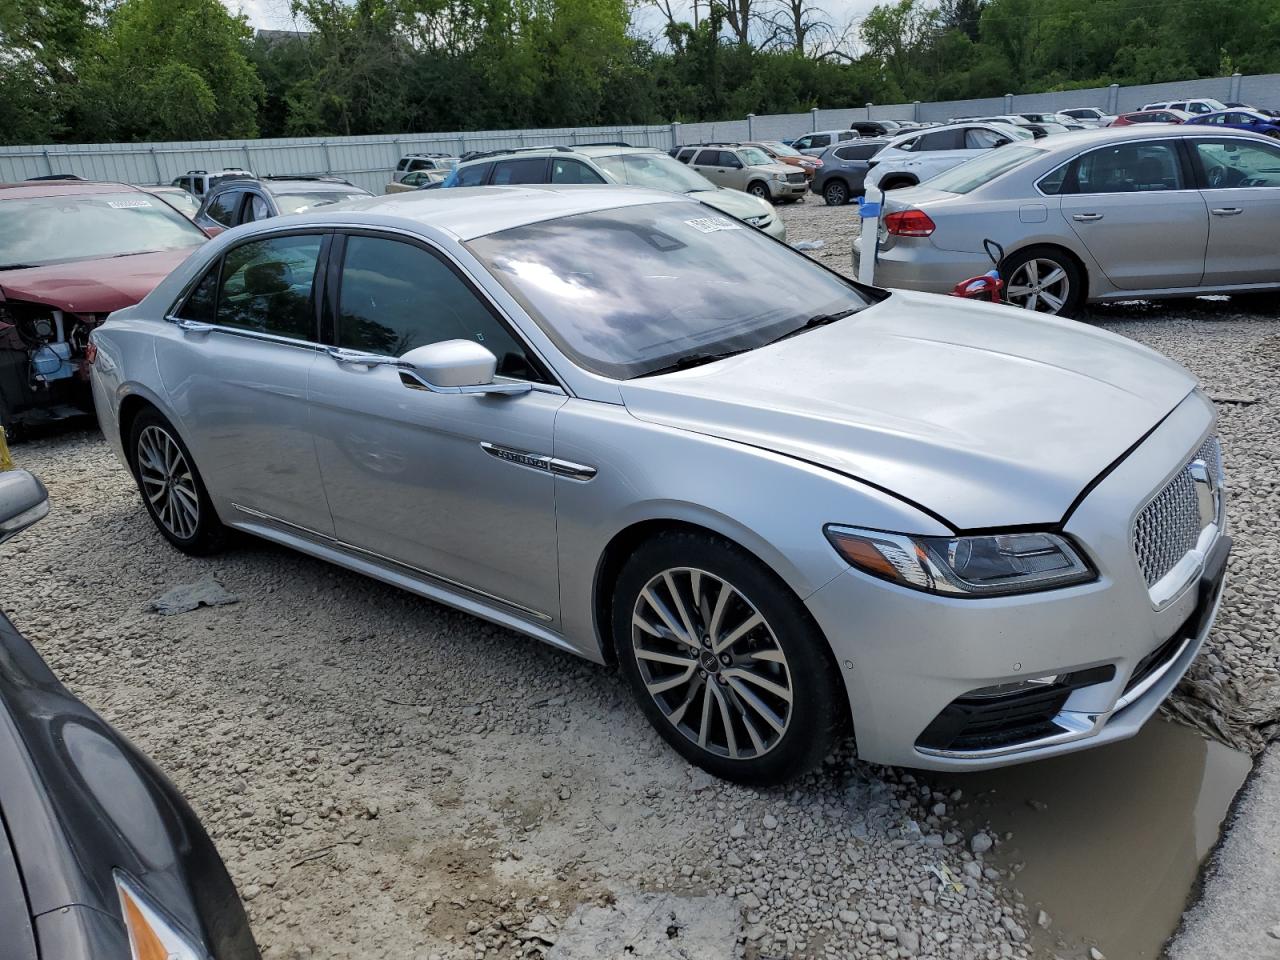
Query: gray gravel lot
386,777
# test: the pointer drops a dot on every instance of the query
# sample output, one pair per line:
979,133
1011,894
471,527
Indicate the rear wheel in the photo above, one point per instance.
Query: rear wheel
724,660
836,193
171,487
897,183
1043,280
757,189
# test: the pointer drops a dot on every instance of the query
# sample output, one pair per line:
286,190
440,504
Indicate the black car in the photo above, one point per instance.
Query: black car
882,128
100,857
844,169
245,200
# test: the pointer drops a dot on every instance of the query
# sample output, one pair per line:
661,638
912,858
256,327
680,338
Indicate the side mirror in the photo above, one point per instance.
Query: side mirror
23,501
456,366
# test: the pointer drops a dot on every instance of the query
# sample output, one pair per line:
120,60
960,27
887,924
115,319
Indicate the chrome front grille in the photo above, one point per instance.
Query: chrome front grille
1170,524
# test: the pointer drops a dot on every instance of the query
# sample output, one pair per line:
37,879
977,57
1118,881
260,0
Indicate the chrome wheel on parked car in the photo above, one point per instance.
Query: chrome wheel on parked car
836,194
1042,284
711,663
167,482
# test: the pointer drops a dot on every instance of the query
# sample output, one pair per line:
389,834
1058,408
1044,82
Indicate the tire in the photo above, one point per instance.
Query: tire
835,193
757,188
1044,280
171,487
782,662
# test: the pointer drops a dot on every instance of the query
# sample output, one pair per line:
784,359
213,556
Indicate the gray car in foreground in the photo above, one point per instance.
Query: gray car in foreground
1124,213
613,419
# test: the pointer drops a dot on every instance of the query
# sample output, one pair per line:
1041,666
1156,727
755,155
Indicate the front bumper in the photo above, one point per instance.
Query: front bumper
907,657
787,191
914,263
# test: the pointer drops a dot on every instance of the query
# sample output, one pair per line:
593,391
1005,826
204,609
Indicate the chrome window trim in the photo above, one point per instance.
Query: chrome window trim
352,548
199,328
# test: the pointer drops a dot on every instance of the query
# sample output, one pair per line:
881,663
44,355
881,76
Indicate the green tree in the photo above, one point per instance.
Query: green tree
40,41
169,70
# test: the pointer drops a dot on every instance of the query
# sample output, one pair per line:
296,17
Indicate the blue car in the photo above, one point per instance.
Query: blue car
1241,120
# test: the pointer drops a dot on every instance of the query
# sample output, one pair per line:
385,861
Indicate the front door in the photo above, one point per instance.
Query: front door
235,364
1132,207
435,481
1240,182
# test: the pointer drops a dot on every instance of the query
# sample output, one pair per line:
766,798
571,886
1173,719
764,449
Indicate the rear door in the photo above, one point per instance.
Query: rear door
707,163
235,364
1240,183
1132,205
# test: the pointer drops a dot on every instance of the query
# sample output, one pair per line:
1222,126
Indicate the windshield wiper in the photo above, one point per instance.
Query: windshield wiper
18,266
132,253
821,320
692,360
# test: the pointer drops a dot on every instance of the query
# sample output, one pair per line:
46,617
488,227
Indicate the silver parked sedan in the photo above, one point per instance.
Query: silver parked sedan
1124,213
624,424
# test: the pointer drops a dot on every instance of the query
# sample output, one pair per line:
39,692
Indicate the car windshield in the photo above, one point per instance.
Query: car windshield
62,229
302,202
641,289
782,150
655,170
181,201
754,156
983,169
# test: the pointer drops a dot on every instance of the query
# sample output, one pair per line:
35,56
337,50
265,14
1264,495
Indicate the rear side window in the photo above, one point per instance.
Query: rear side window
222,207
942,140
573,171
266,286
820,140
386,287
1126,168
847,136
708,158
472,176
858,151
525,170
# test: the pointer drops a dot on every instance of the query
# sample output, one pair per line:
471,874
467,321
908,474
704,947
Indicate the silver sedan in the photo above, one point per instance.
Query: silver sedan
786,506
1154,211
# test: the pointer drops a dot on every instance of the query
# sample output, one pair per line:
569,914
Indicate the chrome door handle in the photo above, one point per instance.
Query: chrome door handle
1227,211
191,326
1086,217
363,359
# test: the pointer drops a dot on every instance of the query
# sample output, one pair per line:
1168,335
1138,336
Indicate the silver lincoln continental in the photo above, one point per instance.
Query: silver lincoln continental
788,507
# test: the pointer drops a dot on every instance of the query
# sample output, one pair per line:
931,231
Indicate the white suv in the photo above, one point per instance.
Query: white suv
1089,116
812,144
911,159
200,182
1202,105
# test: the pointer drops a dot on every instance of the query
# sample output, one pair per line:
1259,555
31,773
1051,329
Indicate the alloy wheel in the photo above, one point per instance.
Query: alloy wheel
759,190
167,482
836,195
711,663
1040,285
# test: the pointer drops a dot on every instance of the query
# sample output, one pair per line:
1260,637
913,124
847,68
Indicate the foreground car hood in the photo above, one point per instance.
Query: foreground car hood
984,415
92,286
734,202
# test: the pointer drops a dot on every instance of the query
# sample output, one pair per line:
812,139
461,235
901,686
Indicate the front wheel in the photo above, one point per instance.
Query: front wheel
171,487
724,660
835,193
758,189
1044,280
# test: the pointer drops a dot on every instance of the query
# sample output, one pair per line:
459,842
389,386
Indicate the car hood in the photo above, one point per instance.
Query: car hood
983,414
734,202
92,286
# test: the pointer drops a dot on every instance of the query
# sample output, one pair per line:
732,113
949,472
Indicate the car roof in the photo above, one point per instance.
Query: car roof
60,188
470,212
308,185
1072,141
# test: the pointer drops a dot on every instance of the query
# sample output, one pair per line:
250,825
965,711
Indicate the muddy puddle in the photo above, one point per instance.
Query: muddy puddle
1111,839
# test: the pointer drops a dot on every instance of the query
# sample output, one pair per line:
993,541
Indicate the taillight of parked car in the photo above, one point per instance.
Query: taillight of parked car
909,223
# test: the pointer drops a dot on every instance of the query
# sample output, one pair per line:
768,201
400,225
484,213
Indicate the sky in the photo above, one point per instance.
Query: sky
274,14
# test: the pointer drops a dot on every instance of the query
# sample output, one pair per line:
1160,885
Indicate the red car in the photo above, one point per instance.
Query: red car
70,253
1151,116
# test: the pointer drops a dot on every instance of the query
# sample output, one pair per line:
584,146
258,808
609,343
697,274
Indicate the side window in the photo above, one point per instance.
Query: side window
395,296
1136,168
266,286
525,170
222,207
804,143
573,171
255,208
1238,163
473,176
942,140
404,162
820,140
419,164
730,159
977,138
708,158
200,302
1053,181
685,156
846,136
861,151
910,145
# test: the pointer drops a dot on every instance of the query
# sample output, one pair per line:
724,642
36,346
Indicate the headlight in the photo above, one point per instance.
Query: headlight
983,566
151,936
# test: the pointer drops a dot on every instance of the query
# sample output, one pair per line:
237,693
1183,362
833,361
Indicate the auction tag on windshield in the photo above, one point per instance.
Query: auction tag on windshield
128,204
356,196
713,224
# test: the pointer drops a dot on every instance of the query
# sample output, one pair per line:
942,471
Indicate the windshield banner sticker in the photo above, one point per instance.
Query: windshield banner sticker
713,224
127,204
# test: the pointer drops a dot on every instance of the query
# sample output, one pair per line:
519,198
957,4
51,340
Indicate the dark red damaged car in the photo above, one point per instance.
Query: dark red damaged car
70,253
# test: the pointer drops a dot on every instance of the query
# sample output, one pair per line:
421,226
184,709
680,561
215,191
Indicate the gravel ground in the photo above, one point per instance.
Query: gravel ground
386,777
